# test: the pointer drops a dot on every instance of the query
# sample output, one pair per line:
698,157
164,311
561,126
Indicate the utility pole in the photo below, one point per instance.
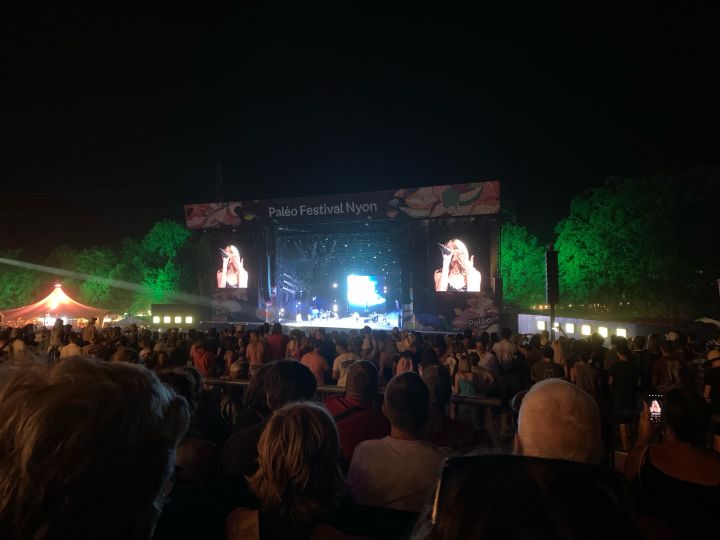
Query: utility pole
552,285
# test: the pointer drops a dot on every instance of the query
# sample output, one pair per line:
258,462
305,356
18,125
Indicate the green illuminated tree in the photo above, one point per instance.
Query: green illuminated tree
522,266
18,286
621,243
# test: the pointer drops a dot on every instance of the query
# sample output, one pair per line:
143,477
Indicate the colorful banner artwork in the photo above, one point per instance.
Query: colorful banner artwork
454,200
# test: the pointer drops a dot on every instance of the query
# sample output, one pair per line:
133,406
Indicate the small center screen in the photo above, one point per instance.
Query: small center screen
365,292
231,272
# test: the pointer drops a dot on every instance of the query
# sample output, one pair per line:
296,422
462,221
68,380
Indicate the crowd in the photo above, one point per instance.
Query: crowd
110,433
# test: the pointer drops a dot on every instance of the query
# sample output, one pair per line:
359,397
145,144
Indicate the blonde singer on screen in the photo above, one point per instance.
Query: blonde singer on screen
457,272
232,275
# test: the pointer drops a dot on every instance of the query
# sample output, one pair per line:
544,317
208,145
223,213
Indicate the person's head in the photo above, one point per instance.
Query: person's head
558,420
638,343
81,431
253,336
622,351
298,476
255,397
437,379
407,403
235,262
506,332
667,348
403,364
186,382
464,365
289,381
276,328
126,355
316,345
428,358
341,346
460,261
548,354
685,415
362,381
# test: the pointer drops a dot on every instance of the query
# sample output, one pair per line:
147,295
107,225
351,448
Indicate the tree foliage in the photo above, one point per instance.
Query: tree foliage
522,266
623,244
18,286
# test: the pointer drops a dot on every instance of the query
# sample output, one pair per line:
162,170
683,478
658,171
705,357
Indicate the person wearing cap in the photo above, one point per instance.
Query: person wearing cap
356,414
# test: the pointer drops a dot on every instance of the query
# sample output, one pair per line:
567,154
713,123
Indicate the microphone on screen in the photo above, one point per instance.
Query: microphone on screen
445,250
224,253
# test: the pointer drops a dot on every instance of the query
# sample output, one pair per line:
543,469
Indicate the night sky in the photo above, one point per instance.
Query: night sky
111,123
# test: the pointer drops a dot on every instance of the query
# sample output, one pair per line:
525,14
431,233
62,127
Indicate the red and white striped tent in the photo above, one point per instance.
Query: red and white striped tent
56,305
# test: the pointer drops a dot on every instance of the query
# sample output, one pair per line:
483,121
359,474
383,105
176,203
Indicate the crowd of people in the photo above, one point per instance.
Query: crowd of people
111,433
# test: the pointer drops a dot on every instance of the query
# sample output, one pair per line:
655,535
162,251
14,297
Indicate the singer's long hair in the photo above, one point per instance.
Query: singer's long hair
234,262
461,258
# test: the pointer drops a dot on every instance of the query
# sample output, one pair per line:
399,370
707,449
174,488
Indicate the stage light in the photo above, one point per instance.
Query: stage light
585,330
556,325
156,319
188,320
569,328
621,332
166,319
334,285
335,308
603,331
541,325
178,319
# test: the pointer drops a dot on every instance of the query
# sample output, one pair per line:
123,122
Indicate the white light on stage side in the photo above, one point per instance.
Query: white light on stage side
166,319
621,332
586,330
569,328
603,331
335,308
156,319
334,285
541,325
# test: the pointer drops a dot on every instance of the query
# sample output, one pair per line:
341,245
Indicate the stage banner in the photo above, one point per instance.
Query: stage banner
453,200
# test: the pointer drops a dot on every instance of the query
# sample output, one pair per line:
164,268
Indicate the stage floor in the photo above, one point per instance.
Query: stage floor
385,322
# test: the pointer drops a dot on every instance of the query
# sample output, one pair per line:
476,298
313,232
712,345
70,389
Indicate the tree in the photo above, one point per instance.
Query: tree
18,286
98,262
621,243
522,266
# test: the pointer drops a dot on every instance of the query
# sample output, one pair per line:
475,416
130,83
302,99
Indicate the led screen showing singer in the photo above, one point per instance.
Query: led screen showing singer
457,272
232,274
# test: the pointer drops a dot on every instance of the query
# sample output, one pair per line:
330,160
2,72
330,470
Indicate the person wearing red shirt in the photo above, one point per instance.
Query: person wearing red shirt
316,363
277,343
202,360
356,414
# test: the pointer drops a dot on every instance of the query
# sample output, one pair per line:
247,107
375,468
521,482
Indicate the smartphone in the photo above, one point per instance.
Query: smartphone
655,404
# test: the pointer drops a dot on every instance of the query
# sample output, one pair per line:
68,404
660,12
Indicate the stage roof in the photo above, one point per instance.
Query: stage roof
57,304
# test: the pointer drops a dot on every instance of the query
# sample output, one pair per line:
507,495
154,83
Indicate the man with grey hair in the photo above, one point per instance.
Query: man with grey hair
558,420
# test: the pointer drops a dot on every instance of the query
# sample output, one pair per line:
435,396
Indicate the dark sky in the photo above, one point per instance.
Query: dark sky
110,123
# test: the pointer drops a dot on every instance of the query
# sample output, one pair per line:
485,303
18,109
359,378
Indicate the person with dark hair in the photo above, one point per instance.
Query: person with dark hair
400,470
88,448
443,430
356,414
277,343
678,481
316,362
255,401
286,381
546,368
624,381
429,359
202,359
711,393
72,348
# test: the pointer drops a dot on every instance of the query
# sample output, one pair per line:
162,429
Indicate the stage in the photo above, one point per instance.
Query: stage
384,321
